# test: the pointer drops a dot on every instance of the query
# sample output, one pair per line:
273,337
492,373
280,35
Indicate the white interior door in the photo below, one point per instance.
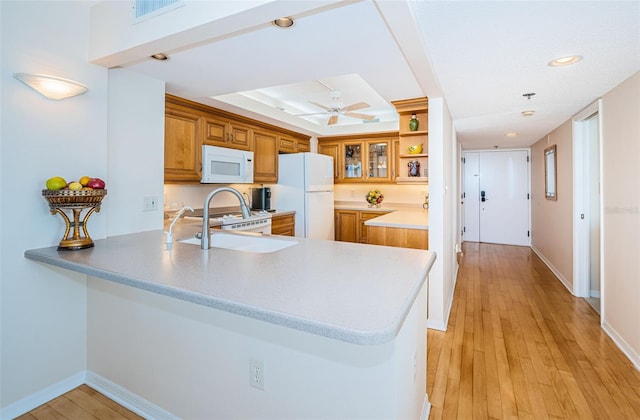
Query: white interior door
471,197
501,193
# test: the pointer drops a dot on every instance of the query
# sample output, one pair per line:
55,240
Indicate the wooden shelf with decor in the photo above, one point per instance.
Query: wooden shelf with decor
413,147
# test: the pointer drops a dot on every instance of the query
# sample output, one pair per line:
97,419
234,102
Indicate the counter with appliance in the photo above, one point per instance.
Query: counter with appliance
159,319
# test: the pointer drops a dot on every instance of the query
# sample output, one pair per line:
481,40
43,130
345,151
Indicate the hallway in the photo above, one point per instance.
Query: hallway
519,345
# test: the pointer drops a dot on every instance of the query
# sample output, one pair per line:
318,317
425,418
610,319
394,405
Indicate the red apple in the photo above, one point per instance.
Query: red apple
96,184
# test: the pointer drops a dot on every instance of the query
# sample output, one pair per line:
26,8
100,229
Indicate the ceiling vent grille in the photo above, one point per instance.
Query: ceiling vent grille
146,9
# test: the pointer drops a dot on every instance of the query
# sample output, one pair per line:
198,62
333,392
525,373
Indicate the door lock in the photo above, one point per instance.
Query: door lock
482,196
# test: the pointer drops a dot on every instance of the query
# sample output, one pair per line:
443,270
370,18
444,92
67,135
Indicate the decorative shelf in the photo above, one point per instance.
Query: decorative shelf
414,133
413,179
413,155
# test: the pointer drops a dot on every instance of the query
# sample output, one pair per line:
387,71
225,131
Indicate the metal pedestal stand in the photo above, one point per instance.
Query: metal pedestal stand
76,202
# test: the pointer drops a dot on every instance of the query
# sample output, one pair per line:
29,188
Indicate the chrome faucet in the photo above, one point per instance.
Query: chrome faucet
204,241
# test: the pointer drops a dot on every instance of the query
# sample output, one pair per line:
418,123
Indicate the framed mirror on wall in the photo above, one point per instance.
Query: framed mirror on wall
550,173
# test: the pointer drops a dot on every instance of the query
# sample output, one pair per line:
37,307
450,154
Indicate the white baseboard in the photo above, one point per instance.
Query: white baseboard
426,408
43,396
117,393
436,325
442,325
555,271
127,399
633,356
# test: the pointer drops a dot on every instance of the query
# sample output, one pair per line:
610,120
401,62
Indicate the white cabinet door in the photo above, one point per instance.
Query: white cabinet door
500,193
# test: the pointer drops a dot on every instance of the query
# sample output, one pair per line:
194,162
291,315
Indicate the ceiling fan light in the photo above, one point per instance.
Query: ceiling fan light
565,61
284,22
52,87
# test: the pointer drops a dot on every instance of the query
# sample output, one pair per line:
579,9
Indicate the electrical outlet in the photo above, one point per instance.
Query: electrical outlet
256,372
150,203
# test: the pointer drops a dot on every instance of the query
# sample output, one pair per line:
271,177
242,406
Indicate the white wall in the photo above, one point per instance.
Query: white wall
43,310
135,151
43,335
443,224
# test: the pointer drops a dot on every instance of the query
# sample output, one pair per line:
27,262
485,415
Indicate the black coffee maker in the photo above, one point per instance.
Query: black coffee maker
261,198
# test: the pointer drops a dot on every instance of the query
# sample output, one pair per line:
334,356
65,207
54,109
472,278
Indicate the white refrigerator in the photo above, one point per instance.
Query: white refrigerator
305,184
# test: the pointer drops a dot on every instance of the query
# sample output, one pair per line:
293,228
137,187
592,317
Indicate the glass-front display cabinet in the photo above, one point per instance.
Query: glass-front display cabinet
352,161
378,159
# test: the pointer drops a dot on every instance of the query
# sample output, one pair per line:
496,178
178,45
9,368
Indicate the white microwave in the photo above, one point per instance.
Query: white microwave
221,165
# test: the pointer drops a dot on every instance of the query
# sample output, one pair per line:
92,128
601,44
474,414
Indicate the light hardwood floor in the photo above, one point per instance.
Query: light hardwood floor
520,346
80,403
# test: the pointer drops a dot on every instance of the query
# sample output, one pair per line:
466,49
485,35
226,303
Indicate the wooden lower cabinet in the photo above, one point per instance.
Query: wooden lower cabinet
350,227
347,225
284,225
400,237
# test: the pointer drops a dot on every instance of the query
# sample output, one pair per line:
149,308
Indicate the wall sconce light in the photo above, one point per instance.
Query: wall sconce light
52,87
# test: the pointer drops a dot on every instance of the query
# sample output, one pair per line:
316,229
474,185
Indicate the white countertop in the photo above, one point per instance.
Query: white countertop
351,292
405,218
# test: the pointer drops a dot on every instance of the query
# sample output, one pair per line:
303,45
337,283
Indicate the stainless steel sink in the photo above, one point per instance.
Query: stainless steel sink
248,242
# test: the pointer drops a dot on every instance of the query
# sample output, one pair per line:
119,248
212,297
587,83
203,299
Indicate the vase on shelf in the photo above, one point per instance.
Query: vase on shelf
414,168
414,123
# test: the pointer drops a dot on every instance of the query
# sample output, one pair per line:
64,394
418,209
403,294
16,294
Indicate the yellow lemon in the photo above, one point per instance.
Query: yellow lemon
56,183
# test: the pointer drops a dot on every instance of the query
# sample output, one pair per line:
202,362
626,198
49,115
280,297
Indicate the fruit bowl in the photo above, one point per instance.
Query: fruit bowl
415,149
69,198
374,198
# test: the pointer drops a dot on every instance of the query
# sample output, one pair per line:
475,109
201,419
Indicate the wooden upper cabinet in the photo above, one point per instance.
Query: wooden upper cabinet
182,161
215,131
361,158
240,135
287,144
265,156
303,145
333,150
226,133
290,144
189,125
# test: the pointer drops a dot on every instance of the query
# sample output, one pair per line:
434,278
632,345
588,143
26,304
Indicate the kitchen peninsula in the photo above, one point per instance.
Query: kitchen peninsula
392,225
336,333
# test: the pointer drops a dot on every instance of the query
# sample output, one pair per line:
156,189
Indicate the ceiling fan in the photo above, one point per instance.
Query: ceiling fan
336,111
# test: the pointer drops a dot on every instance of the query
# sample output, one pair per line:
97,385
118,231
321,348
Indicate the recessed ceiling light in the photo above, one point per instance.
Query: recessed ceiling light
511,134
528,113
565,61
160,56
284,22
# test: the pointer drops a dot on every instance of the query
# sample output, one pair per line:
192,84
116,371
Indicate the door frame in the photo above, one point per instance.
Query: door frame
495,149
581,250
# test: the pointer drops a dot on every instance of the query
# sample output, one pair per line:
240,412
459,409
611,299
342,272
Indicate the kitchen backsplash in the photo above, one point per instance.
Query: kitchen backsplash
397,194
177,196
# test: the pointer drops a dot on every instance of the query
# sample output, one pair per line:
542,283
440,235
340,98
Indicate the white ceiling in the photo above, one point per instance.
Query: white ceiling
484,56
